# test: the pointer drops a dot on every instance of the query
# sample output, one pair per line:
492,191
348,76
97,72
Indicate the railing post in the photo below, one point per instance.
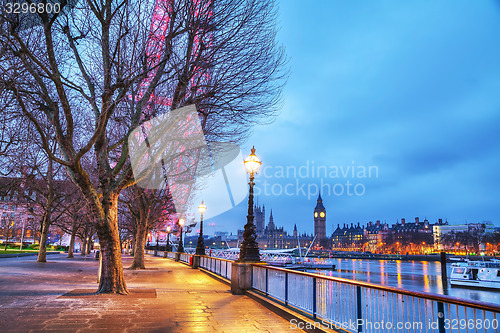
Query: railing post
440,307
286,288
444,274
267,282
251,278
314,298
359,309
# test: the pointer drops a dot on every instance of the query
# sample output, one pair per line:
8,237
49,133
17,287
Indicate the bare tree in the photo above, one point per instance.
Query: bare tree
86,78
86,233
9,137
7,228
75,219
146,208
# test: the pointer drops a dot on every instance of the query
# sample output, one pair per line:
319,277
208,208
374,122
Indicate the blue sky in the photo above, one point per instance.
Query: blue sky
411,89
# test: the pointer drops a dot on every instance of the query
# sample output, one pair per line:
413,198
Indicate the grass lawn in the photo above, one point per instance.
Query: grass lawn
2,251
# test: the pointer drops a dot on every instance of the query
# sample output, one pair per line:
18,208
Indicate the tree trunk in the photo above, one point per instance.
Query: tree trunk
112,278
84,246
46,220
132,247
139,244
44,235
7,239
89,245
72,241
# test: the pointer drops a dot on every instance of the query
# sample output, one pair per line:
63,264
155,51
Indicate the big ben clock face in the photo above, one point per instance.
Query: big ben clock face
322,214
315,214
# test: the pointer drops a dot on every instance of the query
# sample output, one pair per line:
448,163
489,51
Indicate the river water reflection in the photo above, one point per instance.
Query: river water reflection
412,275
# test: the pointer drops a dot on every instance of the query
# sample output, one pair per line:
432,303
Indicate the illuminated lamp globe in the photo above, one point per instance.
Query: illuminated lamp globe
202,208
252,162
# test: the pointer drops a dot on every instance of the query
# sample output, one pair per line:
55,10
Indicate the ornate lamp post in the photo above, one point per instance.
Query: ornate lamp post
200,247
180,248
169,229
249,250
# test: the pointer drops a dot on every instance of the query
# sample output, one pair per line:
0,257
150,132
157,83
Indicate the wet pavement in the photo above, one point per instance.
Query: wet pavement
167,297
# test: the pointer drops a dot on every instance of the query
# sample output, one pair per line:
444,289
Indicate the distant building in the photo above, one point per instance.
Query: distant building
374,235
21,209
348,238
222,234
440,230
17,218
273,237
404,236
320,224
259,219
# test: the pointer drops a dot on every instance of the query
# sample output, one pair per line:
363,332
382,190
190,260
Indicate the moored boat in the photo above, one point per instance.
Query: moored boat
477,274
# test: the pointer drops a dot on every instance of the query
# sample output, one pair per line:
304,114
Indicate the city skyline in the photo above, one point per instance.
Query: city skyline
307,227
404,87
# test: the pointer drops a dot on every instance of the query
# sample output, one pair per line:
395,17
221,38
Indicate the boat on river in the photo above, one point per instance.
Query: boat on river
477,274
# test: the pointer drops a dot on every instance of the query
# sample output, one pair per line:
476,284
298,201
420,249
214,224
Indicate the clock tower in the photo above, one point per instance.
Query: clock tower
319,222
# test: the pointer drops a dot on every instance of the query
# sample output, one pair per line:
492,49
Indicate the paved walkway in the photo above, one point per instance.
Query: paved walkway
170,297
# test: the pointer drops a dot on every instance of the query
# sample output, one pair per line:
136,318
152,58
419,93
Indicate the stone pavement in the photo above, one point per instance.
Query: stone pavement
166,297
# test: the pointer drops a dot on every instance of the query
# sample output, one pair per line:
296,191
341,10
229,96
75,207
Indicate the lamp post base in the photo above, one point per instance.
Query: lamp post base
200,251
196,261
249,253
241,277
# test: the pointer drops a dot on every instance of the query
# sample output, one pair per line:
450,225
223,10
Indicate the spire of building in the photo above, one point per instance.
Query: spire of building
295,227
319,203
271,225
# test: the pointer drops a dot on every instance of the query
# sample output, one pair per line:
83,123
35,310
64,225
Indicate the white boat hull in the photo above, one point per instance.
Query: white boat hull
475,283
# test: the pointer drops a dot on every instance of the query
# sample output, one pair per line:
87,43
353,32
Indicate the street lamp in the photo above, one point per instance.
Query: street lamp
180,248
169,229
200,247
249,250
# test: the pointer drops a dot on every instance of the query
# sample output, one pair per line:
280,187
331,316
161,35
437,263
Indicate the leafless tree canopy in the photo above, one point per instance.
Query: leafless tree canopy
85,72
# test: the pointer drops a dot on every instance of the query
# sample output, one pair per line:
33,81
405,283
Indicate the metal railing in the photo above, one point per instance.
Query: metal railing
171,255
218,266
158,253
364,307
184,257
